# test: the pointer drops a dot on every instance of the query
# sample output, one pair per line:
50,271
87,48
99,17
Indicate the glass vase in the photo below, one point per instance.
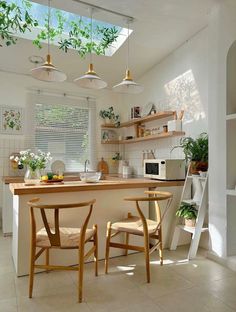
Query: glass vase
32,177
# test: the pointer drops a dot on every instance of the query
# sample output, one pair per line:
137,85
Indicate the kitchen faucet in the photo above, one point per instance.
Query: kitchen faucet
87,162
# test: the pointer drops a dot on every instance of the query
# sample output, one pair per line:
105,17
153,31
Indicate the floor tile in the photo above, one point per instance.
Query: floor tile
224,289
194,299
8,305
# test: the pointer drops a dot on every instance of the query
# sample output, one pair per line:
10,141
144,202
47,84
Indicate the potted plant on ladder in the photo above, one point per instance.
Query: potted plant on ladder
189,212
196,152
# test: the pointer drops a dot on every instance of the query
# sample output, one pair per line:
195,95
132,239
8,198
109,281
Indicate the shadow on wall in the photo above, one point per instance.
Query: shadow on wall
183,94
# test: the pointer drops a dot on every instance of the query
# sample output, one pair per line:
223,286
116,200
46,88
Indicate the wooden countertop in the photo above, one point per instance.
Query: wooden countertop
76,186
10,179
14,179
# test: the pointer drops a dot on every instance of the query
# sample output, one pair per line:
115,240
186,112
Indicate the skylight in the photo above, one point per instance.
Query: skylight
39,12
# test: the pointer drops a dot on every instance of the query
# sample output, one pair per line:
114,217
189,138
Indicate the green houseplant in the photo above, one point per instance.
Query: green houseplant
196,152
109,116
188,211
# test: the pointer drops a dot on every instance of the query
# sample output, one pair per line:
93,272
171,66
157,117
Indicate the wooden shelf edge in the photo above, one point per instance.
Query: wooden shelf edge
110,142
155,137
136,121
148,138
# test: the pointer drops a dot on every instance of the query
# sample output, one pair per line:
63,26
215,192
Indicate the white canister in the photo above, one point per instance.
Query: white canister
126,171
175,125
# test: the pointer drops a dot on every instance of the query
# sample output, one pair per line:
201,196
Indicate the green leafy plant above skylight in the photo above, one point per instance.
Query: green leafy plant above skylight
67,30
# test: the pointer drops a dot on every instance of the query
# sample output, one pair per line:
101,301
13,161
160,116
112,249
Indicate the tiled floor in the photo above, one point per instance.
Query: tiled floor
178,286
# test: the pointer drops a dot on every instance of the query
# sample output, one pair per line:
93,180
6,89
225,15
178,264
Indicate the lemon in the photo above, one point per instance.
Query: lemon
60,177
55,177
44,178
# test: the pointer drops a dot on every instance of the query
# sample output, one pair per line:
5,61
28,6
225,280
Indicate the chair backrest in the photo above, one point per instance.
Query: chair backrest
54,236
158,197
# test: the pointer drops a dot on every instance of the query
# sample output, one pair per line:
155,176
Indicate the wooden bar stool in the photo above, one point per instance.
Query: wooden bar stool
56,237
141,226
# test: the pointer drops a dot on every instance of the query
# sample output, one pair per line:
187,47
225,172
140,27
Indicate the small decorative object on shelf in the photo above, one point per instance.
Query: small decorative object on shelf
189,212
165,128
110,117
135,112
33,163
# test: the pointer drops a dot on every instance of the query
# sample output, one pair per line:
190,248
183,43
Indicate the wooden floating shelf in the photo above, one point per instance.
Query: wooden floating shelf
141,120
111,142
162,135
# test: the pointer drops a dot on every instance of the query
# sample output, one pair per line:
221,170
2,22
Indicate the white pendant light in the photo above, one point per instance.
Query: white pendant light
128,85
47,71
91,80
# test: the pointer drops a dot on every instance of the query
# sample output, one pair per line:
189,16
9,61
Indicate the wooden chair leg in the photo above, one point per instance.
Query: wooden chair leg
47,258
161,253
126,243
147,257
108,238
127,237
81,273
31,273
160,247
96,249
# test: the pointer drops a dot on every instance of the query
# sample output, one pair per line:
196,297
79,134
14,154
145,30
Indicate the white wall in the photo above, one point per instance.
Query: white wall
222,34
180,81
14,90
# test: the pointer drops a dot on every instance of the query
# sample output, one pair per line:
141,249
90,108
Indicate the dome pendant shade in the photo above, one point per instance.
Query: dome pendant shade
90,80
128,85
48,72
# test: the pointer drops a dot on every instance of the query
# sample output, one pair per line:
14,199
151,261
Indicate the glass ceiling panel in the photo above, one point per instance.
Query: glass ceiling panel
39,12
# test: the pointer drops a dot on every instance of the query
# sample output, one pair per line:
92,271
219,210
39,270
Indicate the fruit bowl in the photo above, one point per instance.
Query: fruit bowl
51,178
52,181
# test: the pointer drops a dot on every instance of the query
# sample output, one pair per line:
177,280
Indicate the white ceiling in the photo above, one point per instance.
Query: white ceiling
160,27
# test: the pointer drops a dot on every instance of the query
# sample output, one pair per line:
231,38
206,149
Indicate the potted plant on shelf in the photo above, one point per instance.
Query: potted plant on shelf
196,152
188,211
109,116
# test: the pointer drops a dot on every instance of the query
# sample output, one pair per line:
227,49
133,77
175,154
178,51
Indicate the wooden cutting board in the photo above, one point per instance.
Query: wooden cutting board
103,166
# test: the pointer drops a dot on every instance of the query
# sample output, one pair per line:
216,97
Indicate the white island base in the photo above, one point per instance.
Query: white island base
109,206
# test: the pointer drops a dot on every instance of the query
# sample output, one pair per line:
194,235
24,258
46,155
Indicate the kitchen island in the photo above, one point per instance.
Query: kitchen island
110,206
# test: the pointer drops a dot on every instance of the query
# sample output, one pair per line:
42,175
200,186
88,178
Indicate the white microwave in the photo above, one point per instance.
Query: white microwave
164,169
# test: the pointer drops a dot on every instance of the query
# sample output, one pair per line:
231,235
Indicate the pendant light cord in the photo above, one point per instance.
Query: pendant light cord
49,17
91,35
128,47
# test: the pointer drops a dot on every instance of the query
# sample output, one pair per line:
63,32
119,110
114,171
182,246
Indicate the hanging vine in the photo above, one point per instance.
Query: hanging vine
67,35
14,19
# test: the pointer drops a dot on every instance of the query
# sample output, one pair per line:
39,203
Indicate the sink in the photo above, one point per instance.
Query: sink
90,177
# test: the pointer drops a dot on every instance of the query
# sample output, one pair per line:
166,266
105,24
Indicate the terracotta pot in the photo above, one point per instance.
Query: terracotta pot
190,222
197,166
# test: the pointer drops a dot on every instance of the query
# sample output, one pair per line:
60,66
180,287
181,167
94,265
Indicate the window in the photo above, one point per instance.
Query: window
66,131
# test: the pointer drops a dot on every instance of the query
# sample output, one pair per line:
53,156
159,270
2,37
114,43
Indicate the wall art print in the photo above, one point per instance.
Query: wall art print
11,120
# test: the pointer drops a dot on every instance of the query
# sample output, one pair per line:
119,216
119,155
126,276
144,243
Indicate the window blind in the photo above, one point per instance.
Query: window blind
66,130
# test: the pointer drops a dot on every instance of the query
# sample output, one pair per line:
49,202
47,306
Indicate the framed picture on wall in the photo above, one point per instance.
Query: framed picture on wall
11,120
